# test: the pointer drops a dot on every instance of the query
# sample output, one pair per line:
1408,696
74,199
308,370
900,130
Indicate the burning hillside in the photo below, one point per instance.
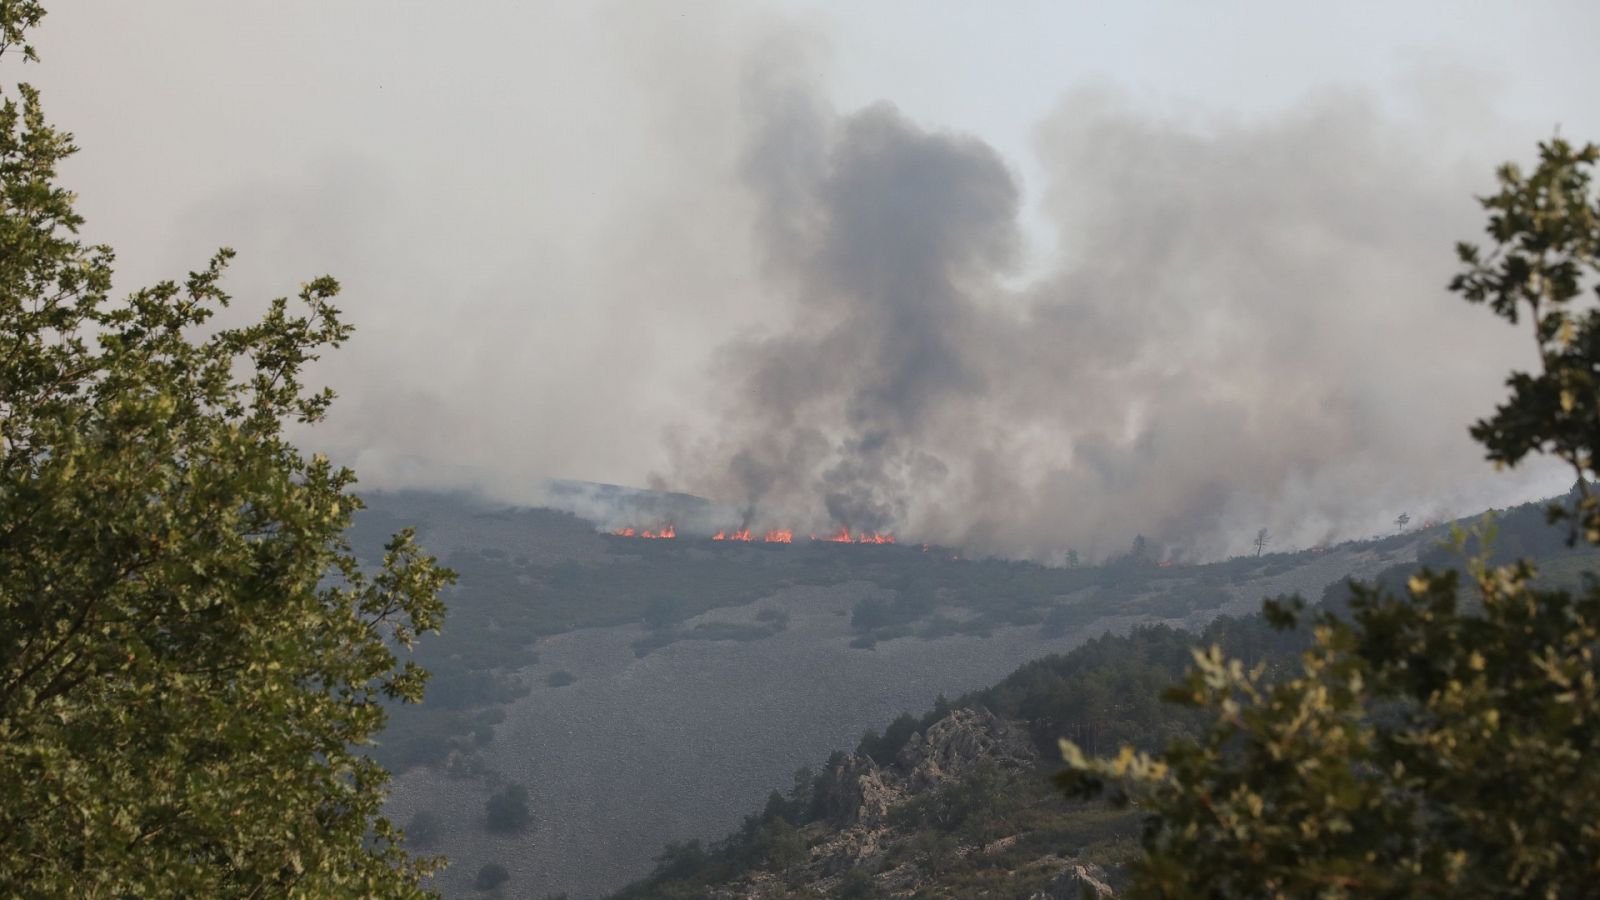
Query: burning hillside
778,536
843,536
666,532
773,536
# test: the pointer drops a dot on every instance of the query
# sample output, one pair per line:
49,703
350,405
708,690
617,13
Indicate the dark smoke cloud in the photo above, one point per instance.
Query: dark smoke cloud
1245,328
837,316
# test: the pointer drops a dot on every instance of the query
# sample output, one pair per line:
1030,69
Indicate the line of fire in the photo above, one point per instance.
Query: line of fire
775,536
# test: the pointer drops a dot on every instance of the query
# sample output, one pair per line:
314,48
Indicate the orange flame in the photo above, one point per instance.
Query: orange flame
772,536
775,536
843,536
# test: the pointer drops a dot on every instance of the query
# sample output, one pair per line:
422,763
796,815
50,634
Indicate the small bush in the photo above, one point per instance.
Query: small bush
491,876
857,885
507,811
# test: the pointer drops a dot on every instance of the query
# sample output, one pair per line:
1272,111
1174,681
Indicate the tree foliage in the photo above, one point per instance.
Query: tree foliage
191,654
490,877
1438,740
507,812
1546,232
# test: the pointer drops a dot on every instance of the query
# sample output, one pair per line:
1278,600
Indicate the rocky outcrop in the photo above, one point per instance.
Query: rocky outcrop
860,833
858,790
958,741
857,847
1076,882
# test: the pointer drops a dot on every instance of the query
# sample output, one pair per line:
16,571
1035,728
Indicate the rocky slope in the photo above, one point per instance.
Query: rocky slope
879,829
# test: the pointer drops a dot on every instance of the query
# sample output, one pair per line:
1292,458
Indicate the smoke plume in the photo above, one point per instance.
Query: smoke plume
1245,327
1184,324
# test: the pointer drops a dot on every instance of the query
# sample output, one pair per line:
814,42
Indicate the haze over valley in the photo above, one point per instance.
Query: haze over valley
799,449
710,671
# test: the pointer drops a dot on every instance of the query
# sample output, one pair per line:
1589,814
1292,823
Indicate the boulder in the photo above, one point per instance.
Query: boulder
952,745
1077,881
857,790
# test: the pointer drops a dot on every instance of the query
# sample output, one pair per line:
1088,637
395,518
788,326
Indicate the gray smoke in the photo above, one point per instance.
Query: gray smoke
1183,325
1246,327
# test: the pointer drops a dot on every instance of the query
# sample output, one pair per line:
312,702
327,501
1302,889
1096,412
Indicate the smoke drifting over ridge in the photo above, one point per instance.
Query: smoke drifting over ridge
838,312
1246,328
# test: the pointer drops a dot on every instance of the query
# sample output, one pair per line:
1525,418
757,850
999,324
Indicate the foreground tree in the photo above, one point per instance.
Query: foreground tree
1441,743
189,654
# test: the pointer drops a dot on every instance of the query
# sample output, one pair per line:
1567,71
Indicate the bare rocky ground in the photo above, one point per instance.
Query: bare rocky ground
858,832
686,741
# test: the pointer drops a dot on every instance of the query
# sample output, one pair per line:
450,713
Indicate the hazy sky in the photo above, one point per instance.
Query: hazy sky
1100,268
